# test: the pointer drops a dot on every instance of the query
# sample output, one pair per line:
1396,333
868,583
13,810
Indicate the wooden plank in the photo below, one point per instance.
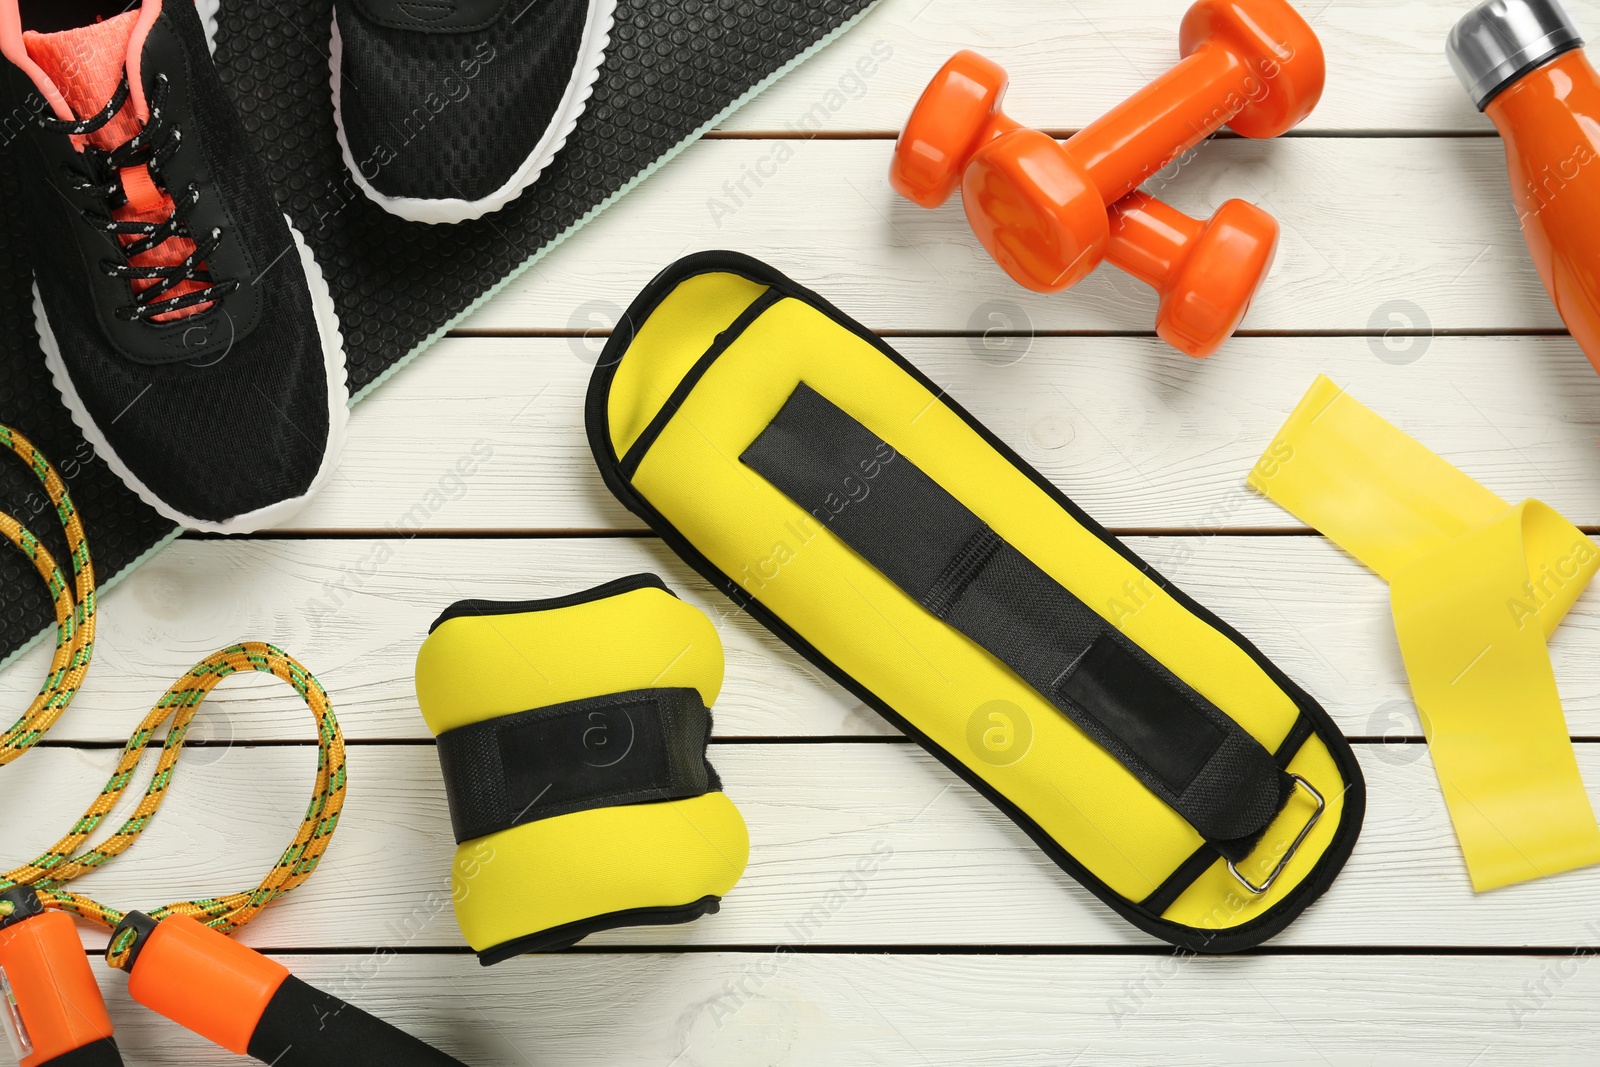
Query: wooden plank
1141,437
787,1010
1138,435
945,867
1317,613
1070,63
356,611
1437,231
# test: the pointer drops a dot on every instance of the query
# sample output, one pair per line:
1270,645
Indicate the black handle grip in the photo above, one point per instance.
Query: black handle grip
305,1027
102,1053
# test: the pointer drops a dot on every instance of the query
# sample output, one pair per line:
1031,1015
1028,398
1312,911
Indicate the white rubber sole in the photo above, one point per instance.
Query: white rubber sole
327,321
207,9
591,54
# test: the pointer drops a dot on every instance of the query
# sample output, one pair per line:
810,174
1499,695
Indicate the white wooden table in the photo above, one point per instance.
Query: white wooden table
967,946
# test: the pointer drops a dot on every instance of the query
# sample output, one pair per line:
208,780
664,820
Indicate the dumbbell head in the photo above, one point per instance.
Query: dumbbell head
1035,210
955,115
1203,301
1281,52
1031,205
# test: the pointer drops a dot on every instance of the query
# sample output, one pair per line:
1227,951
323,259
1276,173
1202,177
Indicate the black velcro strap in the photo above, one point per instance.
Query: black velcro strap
1175,741
623,748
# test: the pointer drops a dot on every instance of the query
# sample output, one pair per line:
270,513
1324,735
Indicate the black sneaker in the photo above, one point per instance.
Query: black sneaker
448,109
186,324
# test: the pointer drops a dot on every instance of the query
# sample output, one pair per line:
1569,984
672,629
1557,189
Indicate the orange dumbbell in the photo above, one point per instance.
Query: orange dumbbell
1205,272
1041,207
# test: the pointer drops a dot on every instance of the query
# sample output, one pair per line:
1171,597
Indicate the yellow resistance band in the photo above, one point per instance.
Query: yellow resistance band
75,618
1477,586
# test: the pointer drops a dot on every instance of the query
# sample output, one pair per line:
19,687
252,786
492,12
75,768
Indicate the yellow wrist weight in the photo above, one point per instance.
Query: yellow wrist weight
572,736
1476,586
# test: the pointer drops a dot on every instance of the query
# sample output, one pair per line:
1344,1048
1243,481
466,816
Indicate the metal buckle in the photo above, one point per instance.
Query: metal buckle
1257,890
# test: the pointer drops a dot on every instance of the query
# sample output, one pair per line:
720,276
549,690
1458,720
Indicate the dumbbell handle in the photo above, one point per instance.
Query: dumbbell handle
1122,148
1206,272
249,1004
1149,237
1164,119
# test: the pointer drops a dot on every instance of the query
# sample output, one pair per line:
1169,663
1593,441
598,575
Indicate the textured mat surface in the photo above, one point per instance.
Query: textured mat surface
674,66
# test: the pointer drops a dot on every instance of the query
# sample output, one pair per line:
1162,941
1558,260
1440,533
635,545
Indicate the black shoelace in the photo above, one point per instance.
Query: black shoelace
96,172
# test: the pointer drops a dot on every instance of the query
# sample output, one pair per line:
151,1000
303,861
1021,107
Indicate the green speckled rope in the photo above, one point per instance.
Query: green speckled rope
63,861
75,603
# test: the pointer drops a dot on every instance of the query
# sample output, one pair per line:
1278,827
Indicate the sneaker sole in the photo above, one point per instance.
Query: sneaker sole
328,332
591,55
207,10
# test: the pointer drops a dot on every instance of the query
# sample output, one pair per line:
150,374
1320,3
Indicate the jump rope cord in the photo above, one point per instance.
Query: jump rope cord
75,622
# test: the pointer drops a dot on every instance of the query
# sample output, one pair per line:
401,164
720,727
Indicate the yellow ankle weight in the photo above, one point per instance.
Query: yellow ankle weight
811,473
572,735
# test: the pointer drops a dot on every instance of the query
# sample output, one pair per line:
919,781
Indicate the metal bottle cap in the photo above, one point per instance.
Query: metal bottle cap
1497,42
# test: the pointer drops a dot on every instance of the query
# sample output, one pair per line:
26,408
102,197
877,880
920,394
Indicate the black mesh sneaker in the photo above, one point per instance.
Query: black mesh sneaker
448,109
185,322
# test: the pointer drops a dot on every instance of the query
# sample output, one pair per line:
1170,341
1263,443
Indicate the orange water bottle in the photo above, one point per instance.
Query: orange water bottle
1522,62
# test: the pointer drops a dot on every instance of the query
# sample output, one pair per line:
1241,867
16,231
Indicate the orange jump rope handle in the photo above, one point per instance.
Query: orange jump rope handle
239,999
52,1009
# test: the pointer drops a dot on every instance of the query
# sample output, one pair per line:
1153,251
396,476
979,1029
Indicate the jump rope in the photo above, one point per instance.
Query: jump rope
179,961
75,627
